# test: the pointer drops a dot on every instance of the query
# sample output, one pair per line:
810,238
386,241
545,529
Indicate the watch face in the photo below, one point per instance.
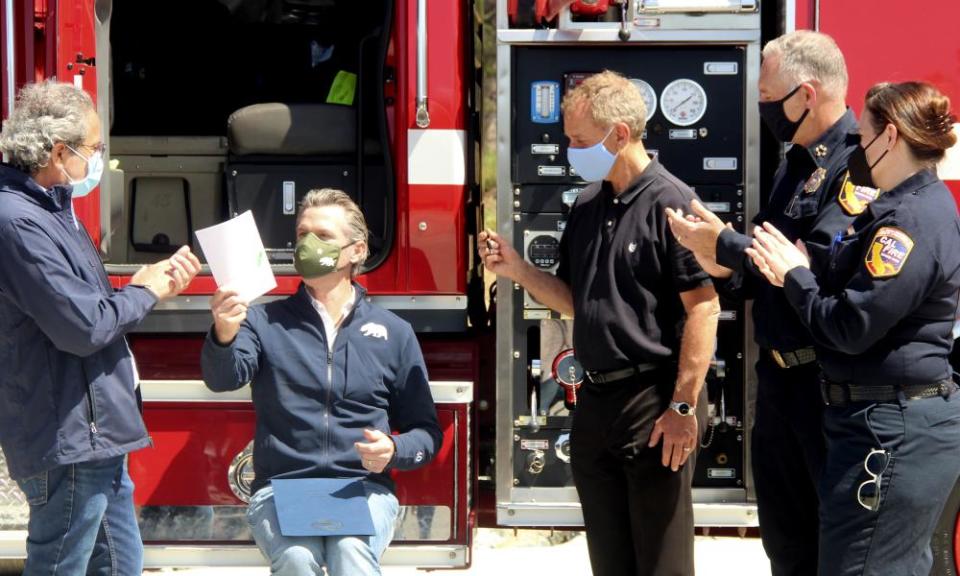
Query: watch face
682,408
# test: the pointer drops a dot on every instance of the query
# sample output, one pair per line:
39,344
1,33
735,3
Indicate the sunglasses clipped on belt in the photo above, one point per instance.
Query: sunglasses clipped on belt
876,463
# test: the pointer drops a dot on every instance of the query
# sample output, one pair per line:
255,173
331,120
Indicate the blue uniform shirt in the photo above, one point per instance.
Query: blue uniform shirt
809,201
882,313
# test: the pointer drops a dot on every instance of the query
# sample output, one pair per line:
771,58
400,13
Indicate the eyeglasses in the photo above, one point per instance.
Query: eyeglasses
98,147
868,494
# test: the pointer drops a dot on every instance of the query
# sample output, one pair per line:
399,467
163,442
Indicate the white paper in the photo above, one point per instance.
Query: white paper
235,253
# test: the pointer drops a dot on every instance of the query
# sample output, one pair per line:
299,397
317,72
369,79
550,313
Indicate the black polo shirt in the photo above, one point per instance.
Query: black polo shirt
626,271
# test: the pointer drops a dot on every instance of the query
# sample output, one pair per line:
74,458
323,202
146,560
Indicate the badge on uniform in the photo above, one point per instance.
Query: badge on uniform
815,180
888,252
854,199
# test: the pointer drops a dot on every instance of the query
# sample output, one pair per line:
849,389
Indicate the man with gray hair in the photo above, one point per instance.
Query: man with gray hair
645,321
803,88
332,376
69,393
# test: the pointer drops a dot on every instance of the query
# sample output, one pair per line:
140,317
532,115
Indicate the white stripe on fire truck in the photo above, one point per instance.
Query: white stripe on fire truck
437,157
949,168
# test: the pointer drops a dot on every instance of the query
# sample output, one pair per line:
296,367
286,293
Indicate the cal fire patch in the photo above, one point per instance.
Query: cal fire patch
888,252
854,199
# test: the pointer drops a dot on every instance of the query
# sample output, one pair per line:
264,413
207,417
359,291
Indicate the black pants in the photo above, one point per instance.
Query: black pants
637,513
787,452
923,440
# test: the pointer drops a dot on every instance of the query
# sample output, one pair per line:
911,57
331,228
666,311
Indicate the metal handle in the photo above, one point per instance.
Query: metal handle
423,113
11,78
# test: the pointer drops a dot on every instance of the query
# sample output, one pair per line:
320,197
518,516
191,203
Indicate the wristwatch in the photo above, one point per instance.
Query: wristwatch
682,408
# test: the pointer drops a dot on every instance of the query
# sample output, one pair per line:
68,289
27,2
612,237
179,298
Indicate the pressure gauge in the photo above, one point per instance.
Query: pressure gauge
683,102
649,96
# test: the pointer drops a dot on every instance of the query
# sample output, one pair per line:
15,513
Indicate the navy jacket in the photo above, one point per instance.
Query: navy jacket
67,388
307,422
883,312
808,202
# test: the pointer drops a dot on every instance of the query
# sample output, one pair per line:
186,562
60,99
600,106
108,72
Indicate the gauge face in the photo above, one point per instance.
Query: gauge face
683,102
649,96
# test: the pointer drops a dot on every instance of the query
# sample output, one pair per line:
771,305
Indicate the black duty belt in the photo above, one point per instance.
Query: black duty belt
597,377
840,395
793,358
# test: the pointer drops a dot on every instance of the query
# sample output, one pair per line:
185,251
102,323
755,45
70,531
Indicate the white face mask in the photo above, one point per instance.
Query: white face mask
94,172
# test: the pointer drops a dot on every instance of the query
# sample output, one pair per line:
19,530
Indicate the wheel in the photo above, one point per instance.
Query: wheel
946,538
11,567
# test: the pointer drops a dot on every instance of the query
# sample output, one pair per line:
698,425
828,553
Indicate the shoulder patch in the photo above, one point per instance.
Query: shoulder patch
888,252
854,199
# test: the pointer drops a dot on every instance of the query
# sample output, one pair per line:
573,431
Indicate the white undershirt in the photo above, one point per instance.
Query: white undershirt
329,327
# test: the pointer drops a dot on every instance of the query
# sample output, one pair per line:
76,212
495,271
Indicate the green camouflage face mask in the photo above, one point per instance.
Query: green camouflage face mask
314,257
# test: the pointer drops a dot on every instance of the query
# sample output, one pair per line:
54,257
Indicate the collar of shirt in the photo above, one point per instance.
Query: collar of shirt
329,326
647,177
891,198
834,140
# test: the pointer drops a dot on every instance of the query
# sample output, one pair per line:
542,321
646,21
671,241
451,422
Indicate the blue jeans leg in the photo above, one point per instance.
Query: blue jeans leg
82,521
360,555
306,556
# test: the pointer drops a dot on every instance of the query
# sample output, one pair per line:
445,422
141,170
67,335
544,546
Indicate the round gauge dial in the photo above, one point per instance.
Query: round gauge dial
649,96
683,102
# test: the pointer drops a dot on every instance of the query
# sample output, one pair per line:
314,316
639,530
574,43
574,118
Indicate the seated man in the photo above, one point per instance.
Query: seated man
332,375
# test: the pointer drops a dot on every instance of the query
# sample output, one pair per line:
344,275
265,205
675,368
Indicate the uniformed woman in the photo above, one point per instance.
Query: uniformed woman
880,303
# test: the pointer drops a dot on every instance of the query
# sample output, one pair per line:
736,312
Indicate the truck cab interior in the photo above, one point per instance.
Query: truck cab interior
221,106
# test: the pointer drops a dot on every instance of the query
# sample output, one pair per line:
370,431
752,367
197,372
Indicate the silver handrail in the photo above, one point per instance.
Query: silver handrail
11,56
423,113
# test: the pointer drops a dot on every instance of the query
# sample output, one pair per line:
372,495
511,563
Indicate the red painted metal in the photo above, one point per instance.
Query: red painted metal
193,446
435,259
924,46
177,357
927,48
3,65
75,38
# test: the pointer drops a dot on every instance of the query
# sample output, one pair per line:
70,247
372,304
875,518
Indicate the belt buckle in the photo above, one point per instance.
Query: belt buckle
778,358
590,374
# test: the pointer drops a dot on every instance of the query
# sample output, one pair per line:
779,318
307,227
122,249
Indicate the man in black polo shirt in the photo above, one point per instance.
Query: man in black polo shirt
645,324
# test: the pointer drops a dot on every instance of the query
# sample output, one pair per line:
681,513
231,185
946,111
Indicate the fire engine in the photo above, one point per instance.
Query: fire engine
215,107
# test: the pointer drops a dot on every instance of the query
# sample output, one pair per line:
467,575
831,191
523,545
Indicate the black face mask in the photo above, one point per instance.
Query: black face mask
776,119
861,173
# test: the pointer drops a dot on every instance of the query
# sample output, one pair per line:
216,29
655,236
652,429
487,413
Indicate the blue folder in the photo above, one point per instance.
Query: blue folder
322,507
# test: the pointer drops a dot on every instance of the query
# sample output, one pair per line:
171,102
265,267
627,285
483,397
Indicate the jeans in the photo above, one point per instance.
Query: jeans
82,520
342,555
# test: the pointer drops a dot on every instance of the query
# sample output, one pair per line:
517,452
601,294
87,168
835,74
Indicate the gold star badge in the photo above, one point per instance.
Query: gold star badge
821,150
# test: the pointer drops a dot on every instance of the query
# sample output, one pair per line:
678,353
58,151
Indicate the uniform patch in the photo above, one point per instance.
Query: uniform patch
815,180
374,330
888,252
854,199
632,247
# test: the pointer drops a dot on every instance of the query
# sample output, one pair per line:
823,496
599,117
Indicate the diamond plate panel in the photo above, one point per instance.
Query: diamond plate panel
13,507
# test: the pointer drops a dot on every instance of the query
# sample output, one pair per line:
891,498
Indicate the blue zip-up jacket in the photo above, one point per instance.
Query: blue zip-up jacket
312,404
67,388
